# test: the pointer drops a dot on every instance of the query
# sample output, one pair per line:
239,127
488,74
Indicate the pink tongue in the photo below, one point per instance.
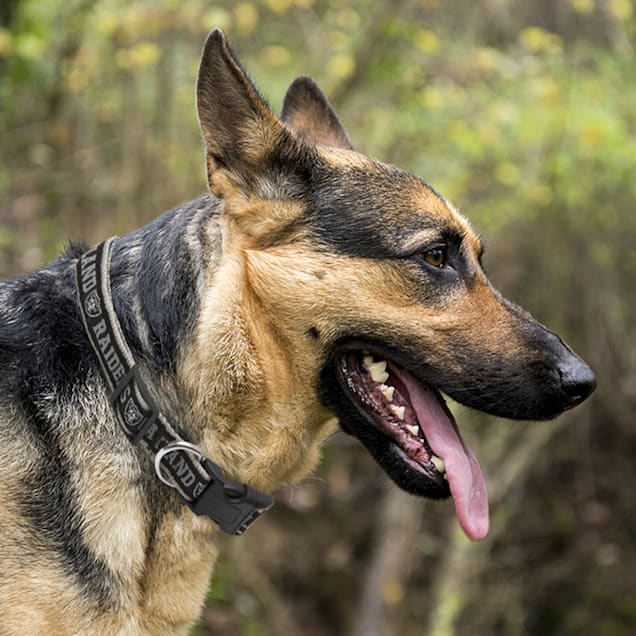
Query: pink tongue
466,481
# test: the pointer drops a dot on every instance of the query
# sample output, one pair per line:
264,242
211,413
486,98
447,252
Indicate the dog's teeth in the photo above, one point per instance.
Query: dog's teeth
380,364
438,462
398,411
387,392
378,371
413,429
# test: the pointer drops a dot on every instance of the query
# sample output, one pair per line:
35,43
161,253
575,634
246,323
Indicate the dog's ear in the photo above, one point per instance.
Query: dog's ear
308,112
248,148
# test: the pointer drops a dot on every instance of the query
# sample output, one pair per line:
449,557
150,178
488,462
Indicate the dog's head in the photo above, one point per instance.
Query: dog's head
370,287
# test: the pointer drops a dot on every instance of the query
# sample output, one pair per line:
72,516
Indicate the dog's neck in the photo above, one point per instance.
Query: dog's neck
191,318
156,275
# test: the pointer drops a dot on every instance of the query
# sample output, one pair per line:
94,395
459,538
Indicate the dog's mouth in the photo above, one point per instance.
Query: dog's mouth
410,431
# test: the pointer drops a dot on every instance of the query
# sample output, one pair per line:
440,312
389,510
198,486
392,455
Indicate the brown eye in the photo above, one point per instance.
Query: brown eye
436,257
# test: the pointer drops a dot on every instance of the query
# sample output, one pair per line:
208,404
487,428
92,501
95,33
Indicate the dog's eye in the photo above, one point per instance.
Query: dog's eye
436,257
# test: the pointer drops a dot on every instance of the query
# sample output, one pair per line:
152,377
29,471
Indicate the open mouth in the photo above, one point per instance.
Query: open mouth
410,431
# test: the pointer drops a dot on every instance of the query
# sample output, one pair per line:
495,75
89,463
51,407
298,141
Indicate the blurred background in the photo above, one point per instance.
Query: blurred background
524,115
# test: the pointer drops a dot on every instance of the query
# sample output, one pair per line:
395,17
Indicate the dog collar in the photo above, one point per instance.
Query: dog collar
178,463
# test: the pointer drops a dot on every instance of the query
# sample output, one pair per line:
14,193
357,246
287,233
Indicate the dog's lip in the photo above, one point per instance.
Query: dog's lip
439,436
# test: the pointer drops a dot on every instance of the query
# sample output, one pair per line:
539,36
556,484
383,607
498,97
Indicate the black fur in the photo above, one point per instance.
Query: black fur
360,212
43,353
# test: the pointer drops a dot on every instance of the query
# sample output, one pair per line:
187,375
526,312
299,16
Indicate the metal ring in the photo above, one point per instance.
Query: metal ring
172,447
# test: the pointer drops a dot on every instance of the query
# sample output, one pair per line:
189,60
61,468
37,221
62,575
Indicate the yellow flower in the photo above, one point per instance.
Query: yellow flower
6,42
138,56
582,6
276,56
539,40
427,41
279,6
431,98
621,9
591,134
246,17
507,173
341,66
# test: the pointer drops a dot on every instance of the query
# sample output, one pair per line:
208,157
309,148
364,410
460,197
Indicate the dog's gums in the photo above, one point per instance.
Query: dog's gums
422,432
390,408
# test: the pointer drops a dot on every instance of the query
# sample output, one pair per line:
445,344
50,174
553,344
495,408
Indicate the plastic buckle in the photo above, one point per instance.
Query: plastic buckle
233,506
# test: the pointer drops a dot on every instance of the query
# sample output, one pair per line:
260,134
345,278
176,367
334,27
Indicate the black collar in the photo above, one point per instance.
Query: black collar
178,463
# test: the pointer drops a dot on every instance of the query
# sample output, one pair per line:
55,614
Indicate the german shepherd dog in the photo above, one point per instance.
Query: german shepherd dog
312,285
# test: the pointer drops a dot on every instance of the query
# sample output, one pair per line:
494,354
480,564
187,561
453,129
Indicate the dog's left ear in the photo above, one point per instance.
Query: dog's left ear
249,150
308,112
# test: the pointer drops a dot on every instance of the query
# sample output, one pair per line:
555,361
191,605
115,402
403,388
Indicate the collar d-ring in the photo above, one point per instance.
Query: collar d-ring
172,447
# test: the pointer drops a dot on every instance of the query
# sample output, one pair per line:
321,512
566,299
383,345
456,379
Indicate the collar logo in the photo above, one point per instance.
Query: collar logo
131,413
92,305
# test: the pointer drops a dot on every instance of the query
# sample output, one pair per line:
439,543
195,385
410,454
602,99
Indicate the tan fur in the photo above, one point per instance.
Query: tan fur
265,371
256,313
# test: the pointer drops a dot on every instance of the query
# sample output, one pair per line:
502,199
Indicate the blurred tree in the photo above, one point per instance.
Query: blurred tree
7,12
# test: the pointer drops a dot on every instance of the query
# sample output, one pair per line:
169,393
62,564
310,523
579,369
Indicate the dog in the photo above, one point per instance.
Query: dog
311,286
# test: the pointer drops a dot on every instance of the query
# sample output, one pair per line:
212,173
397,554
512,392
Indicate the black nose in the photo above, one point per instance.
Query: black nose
577,380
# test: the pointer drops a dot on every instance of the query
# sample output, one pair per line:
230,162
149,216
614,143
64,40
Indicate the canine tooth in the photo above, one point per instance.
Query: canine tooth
398,411
378,371
438,462
387,391
413,429
368,360
380,365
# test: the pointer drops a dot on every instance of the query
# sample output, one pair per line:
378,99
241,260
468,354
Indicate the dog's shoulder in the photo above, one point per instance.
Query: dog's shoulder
27,296
37,315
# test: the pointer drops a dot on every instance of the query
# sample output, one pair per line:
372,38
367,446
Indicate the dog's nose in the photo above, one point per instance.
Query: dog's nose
577,380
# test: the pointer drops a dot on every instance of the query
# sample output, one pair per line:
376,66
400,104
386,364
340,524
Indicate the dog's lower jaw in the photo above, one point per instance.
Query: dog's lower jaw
271,450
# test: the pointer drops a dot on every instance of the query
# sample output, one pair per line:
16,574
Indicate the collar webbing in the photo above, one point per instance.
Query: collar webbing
233,506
